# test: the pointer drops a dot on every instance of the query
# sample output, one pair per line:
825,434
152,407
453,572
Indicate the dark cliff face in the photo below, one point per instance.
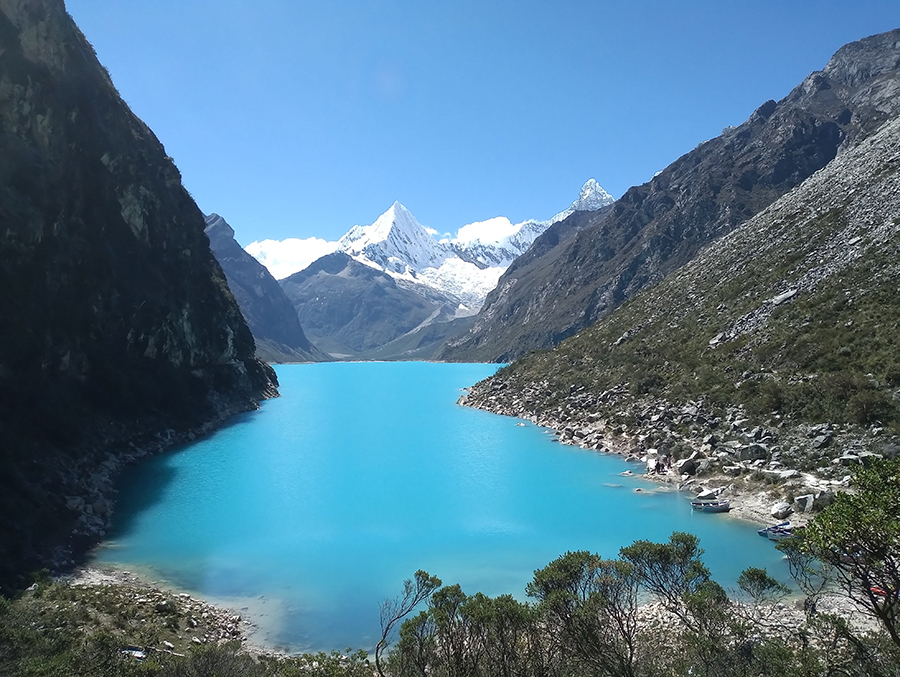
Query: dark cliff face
657,227
118,322
269,313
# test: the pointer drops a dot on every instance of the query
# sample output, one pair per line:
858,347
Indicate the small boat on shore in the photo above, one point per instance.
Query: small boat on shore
764,532
777,533
711,506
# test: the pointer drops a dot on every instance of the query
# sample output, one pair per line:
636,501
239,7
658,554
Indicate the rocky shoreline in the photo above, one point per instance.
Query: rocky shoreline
769,471
203,622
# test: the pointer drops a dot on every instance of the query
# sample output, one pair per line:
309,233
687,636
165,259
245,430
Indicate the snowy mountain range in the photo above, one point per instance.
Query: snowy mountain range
465,267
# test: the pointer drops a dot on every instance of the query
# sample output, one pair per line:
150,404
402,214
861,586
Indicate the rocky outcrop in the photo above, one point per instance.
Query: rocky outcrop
269,313
119,332
659,226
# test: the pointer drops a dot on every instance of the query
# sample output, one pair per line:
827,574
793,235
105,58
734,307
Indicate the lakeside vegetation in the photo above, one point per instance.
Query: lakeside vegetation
652,611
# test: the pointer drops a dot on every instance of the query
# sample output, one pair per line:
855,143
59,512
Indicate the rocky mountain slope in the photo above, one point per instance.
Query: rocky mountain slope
465,267
659,226
120,335
419,291
269,313
352,310
772,354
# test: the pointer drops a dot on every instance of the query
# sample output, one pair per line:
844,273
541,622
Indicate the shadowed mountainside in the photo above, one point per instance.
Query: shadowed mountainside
120,335
269,313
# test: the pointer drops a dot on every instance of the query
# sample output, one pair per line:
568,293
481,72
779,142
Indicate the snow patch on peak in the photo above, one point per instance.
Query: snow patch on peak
591,198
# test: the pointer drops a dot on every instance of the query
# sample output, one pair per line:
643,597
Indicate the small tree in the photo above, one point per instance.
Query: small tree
591,603
855,542
394,610
672,572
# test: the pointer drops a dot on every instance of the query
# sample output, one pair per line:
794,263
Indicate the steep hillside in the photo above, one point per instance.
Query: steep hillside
269,313
119,331
659,226
774,349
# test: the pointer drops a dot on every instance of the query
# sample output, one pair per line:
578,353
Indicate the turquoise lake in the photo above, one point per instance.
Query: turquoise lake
312,510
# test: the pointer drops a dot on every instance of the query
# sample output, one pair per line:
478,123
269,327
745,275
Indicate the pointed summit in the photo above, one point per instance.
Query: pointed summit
592,197
395,242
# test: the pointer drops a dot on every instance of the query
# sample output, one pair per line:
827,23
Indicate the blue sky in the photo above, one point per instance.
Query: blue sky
293,118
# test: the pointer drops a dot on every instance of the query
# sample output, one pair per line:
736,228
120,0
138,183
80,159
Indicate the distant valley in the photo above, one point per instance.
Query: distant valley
392,290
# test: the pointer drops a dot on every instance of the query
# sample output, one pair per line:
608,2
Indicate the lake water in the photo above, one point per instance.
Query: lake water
315,508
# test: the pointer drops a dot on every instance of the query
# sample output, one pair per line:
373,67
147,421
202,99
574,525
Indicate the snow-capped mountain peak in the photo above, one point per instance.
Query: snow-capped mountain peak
395,242
465,267
591,197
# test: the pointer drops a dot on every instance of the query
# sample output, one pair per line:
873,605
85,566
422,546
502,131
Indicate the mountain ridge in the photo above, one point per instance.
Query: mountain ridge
451,278
658,226
269,313
770,354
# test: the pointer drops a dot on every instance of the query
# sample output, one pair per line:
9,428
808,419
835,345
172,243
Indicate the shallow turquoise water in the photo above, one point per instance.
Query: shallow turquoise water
326,499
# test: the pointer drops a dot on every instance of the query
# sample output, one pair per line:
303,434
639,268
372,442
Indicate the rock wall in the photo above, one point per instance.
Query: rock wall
118,327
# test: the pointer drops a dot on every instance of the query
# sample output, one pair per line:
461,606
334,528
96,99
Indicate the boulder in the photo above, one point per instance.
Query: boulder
781,510
733,470
75,503
686,466
753,452
821,441
823,499
709,494
804,503
891,450
790,474
866,458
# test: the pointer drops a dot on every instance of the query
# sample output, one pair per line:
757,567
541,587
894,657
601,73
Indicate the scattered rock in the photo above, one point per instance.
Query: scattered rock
823,499
753,452
781,510
804,503
686,466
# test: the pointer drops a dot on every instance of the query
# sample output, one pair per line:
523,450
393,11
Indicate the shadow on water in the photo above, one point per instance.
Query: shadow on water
143,485
140,487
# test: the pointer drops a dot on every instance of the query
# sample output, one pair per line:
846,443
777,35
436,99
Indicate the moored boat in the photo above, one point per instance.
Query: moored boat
777,533
764,532
711,506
